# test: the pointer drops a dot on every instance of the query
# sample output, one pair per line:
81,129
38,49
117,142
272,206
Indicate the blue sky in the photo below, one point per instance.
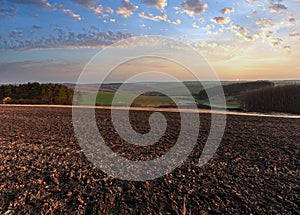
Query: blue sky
247,39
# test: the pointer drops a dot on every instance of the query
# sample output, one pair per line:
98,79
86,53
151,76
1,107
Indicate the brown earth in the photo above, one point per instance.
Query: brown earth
43,170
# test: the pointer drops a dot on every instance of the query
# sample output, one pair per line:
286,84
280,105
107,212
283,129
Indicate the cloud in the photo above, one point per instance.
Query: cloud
109,10
202,20
277,8
15,33
242,32
98,10
251,1
176,22
193,7
195,25
38,3
70,13
126,9
227,10
291,18
220,20
7,11
47,5
85,3
265,22
150,16
294,35
159,4
267,35
248,38
62,39
253,13
275,41
287,49
209,26
36,27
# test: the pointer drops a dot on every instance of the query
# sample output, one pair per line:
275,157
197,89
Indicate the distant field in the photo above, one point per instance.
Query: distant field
172,89
232,91
105,99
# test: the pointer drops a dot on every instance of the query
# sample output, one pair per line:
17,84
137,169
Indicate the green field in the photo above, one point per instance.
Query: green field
105,99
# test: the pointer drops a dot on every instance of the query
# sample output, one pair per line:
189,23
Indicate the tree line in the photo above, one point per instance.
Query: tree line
36,93
272,99
234,89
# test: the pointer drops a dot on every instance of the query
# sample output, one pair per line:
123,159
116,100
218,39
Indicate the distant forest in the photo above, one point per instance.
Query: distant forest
272,99
235,89
36,93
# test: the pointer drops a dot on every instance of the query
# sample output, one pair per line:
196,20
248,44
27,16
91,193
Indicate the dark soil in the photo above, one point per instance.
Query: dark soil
44,171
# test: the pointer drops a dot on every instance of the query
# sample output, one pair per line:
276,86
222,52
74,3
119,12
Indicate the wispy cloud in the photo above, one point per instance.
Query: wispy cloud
98,10
38,3
109,10
202,20
95,9
275,41
209,26
36,27
70,13
265,22
150,16
292,19
85,3
242,32
15,33
287,49
159,4
277,8
193,7
90,38
294,35
126,9
227,10
176,22
7,11
195,25
220,20
45,4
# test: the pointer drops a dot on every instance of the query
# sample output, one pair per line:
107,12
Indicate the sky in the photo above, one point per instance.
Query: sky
52,41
